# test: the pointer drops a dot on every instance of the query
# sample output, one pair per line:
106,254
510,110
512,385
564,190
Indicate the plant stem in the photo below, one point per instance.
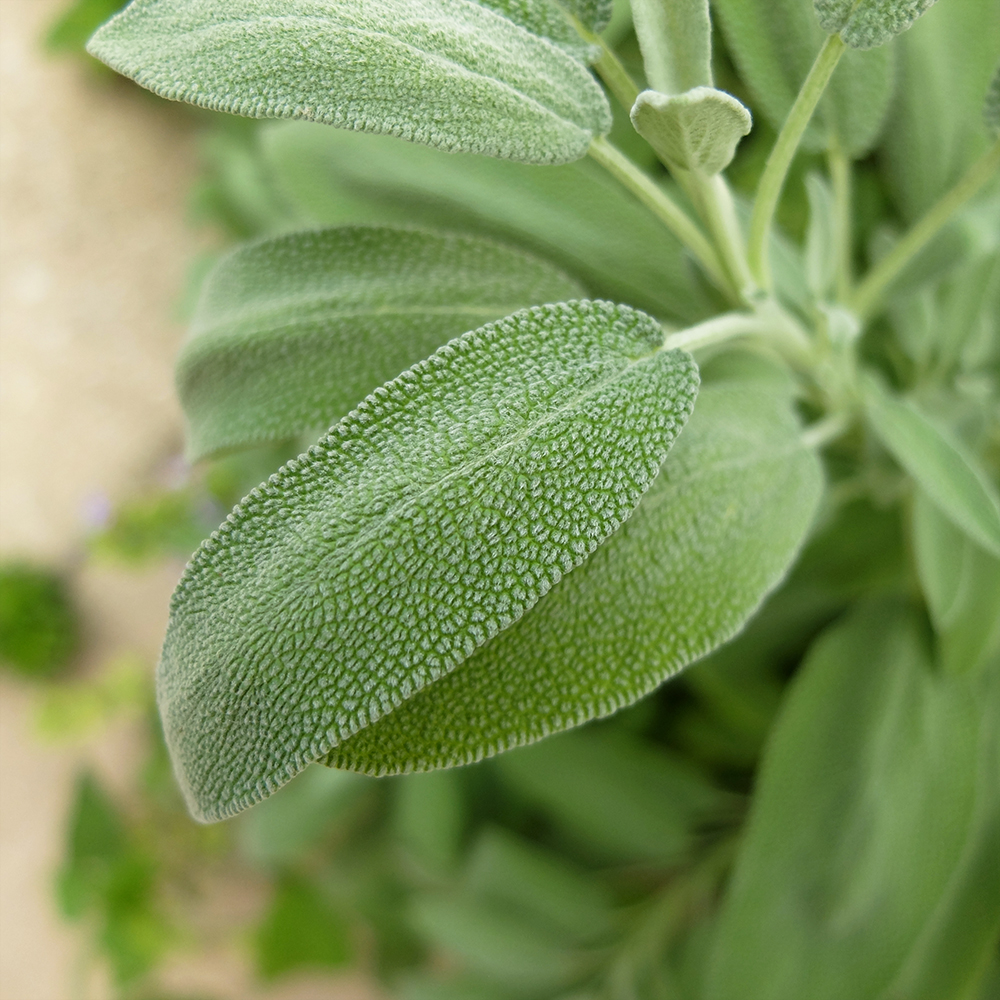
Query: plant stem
840,175
869,293
671,214
614,74
715,200
823,431
773,178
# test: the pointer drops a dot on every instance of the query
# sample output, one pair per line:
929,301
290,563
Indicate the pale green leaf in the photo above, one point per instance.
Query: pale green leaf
715,533
550,20
991,105
291,332
948,474
429,519
866,811
774,43
864,24
962,585
935,128
576,215
696,130
675,37
445,73
821,252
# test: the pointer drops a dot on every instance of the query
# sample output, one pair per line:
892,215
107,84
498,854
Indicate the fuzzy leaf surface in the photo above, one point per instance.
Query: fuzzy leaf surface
553,19
696,130
575,215
675,37
949,476
716,531
875,813
291,332
425,522
865,24
774,43
445,73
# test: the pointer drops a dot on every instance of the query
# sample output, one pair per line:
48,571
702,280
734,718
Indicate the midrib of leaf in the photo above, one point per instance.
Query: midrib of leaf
407,503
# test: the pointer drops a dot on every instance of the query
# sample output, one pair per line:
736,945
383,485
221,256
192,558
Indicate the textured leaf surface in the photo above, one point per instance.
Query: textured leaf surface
553,19
949,476
696,130
676,41
774,42
935,128
427,520
714,534
290,333
576,215
445,73
864,24
867,820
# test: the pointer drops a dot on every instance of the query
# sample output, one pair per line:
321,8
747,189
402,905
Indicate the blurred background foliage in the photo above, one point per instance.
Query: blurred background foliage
588,865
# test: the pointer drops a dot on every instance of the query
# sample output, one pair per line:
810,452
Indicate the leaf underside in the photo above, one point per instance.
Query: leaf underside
716,531
426,521
291,332
445,73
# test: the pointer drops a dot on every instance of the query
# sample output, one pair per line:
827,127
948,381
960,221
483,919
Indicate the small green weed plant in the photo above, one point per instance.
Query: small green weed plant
584,378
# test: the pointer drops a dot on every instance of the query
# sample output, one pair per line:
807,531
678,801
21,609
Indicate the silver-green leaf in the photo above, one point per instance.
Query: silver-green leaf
865,24
291,332
445,73
697,130
675,37
716,531
428,520
948,474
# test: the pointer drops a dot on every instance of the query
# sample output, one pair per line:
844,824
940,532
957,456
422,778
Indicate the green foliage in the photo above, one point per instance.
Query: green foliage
865,24
507,93
39,626
290,333
74,26
676,42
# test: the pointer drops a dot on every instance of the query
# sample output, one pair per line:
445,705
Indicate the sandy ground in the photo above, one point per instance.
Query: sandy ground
93,251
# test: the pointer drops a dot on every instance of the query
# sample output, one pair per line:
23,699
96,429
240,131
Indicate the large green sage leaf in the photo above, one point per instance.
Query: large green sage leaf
429,519
445,73
875,828
715,532
864,24
774,43
696,130
576,215
553,19
948,474
290,333
675,37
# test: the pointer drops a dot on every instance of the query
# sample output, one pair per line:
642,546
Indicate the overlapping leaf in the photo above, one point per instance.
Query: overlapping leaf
865,24
428,520
445,73
290,333
868,868
575,215
715,533
676,41
553,19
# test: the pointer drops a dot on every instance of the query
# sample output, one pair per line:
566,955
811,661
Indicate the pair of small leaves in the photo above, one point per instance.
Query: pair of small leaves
696,130
865,24
424,523
290,333
447,73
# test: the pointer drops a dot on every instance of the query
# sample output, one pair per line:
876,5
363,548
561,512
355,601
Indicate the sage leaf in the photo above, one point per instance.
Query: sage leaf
869,815
291,332
947,473
962,585
425,522
445,73
865,24
774,43
696,130
935,129
575,215
675,37
554,20
716,531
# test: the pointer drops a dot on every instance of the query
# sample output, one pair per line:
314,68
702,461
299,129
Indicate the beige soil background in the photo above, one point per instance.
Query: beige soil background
94,247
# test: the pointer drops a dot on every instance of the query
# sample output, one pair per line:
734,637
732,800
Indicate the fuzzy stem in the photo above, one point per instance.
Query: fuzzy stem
658,202
773,178
869,293
840,175
715,201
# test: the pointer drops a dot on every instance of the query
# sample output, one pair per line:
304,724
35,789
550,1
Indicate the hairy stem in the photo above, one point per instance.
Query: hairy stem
869,292
773,178
715,201
668,211
840,176
609,68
